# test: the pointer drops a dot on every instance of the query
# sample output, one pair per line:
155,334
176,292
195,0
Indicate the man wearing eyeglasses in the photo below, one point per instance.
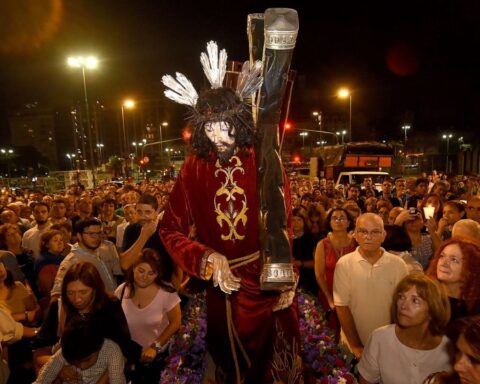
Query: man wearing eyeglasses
473,209
364,282
90,247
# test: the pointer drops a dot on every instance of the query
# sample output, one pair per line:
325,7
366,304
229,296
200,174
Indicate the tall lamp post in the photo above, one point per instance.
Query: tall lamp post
447,137
7,153
89,62
405,129
71,157
303,134
100,150
128,104
161,126
317,116
343,133
343,93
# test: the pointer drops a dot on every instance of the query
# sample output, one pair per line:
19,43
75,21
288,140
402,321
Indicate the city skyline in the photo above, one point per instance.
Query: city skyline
414,64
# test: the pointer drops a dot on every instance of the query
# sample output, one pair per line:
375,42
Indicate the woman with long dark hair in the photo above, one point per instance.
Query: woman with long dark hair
83,294
152,308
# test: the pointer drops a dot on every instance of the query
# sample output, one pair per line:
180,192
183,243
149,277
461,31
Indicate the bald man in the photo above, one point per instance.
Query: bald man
467,228
364,282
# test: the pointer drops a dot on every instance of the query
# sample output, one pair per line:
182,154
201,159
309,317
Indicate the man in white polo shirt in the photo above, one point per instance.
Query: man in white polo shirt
364,282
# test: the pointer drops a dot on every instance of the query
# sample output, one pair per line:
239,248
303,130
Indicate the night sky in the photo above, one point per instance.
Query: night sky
404,60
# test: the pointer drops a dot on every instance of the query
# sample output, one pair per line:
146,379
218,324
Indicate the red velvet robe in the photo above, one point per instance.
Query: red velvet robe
222,203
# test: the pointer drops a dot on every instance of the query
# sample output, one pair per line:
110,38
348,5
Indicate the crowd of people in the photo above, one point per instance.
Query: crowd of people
86,292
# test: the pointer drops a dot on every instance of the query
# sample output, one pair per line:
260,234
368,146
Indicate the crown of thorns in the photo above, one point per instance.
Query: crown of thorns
182,91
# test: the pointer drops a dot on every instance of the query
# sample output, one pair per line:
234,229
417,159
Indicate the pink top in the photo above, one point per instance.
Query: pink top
147,324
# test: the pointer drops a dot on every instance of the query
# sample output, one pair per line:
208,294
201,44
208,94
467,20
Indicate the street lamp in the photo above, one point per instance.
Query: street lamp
343,133
317,116
129,104
343,93
100,149
71,157
8,153
447,137
89,62
405,129
303,134
162,125
136,145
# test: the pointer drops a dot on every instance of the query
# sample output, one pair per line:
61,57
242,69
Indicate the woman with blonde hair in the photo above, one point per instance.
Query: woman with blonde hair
414,346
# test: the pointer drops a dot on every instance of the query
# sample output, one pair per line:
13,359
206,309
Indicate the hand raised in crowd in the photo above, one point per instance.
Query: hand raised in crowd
431,225
442,223
149,228
222,275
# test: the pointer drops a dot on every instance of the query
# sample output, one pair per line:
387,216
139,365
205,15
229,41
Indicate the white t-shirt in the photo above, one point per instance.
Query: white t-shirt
386,360
147,324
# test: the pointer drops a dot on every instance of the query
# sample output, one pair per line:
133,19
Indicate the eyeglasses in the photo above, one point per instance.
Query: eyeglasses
340,219
450,259
364,233
92,234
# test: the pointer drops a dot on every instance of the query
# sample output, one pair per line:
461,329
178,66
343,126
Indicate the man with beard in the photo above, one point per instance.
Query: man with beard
31,238
90,247
216,194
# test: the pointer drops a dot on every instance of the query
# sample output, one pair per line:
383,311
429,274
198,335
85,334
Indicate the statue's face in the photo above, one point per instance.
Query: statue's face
217,133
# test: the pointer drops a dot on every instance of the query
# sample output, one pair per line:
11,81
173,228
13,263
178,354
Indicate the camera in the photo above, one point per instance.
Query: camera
413,213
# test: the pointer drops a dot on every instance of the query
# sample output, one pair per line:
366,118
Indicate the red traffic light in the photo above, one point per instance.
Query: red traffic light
287,126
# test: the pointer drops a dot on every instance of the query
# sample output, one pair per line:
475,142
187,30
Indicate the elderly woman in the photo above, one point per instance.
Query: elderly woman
456,265
414,347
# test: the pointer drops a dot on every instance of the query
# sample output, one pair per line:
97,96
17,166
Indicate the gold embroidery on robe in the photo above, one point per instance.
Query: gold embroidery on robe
230,202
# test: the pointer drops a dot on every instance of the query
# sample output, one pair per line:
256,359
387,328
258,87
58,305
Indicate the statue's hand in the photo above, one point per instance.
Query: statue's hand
222,275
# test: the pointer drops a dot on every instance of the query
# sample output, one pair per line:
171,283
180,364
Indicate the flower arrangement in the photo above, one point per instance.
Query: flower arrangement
326,361
186,361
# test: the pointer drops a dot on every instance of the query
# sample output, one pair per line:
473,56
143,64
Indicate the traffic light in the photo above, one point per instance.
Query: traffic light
287,126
